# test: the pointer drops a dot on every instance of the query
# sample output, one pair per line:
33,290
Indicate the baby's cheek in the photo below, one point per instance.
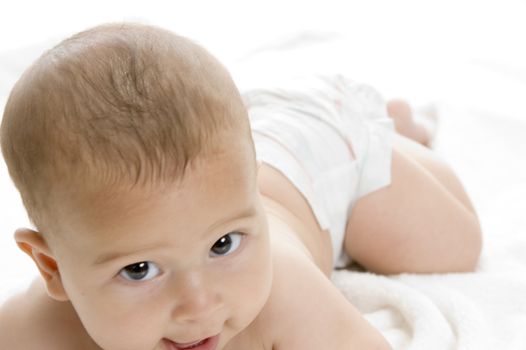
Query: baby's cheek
258,283
114,326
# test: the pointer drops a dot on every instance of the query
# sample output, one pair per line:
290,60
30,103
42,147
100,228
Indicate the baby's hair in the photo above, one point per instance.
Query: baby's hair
115,106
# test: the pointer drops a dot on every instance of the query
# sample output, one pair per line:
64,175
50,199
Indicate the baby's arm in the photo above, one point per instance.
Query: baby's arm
33,321
310,313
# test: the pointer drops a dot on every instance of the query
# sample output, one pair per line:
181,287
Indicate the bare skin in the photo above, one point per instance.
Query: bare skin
408,236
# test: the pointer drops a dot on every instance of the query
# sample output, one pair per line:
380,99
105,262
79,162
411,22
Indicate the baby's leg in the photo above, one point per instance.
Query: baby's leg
423,222
436,166
412,138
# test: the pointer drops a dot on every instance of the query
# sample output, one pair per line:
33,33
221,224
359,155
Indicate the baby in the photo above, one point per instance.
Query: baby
167,217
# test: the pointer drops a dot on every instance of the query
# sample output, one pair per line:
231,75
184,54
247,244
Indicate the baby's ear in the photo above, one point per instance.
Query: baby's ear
33,244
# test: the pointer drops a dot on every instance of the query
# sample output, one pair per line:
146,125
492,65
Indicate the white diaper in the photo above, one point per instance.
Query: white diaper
330,137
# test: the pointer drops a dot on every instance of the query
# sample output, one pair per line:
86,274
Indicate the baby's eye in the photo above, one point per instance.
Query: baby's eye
227,244
141,271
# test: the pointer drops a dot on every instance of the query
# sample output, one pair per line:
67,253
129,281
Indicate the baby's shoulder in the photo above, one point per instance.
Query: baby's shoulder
265,331
32,320
286,293
306,311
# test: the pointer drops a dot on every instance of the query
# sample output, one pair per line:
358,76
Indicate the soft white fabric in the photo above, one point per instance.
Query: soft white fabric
331,137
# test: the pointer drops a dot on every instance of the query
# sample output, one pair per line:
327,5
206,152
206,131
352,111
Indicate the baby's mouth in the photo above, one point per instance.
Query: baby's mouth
204,344
190,345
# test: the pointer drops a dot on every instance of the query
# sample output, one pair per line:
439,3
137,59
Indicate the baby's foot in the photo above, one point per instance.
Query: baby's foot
419,126
427,117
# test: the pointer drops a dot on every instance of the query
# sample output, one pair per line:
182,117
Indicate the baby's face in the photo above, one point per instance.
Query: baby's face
183,265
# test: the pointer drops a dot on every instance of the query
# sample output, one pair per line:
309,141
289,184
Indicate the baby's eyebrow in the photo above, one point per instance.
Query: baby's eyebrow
104,258
115,255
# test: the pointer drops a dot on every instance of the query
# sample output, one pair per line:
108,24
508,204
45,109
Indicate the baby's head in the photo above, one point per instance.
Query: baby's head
132,152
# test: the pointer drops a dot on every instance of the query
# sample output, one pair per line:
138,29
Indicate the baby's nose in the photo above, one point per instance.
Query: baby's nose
196,300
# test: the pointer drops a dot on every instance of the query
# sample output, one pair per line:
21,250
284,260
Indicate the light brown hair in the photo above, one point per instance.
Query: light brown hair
118,105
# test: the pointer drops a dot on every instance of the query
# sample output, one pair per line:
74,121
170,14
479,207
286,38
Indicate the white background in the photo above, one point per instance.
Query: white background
468,55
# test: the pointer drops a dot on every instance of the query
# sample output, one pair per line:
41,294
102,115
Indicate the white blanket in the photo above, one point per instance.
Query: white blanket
482,134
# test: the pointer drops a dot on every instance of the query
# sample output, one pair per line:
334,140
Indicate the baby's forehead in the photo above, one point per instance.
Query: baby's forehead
165,221
224,176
